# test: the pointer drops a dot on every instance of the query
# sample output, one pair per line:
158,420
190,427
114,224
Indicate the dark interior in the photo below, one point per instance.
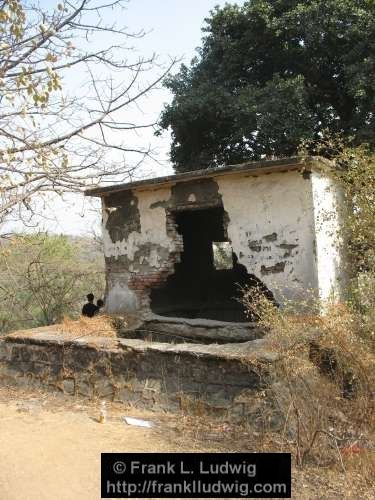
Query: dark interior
197,289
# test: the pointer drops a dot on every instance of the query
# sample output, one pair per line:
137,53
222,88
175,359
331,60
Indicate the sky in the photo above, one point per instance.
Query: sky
173,29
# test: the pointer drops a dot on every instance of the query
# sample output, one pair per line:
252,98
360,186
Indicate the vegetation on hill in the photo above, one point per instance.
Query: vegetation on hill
45,277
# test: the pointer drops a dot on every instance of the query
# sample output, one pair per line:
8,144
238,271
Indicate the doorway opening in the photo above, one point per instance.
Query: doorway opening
206,282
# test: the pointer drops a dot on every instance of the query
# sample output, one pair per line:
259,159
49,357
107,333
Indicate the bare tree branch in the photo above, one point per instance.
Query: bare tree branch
59,134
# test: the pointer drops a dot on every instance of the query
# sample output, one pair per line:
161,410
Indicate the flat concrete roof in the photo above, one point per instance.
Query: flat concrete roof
253,168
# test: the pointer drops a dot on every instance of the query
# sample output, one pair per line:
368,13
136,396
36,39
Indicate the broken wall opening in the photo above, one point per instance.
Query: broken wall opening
200,287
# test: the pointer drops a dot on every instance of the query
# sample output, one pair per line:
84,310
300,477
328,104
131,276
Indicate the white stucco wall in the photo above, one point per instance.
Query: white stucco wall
119,297
282,226
327,210
274,213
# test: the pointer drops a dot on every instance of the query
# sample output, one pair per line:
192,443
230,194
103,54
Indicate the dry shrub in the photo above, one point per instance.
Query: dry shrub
98,326
322,385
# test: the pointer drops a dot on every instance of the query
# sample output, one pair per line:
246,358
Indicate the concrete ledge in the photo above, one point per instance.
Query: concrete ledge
169,329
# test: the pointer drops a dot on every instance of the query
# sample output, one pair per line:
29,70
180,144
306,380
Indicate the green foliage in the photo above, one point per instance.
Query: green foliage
354,169
358,178
45,277
270,74
357,174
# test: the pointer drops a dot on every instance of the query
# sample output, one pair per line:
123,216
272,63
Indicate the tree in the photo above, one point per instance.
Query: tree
44,277
58,133
353,168
270,74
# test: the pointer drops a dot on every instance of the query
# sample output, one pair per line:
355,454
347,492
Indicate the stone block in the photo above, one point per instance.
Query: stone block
153,385
85,389
128,396
104,388
69,386
41,370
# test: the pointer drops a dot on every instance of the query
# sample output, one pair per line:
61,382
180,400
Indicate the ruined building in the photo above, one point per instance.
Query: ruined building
176,250
178,246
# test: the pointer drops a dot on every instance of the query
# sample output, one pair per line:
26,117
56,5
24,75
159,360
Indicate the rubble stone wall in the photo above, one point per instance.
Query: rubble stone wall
146,375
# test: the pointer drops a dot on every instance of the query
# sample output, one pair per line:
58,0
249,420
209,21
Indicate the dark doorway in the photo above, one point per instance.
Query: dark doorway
198,289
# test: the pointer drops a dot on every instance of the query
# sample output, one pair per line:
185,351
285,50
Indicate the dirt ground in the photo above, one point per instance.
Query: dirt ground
50,448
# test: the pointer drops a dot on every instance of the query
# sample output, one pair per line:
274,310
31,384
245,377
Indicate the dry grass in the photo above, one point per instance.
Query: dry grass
98,326
312,481
322,388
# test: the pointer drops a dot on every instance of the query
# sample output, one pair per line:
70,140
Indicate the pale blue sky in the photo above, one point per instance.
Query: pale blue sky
173,30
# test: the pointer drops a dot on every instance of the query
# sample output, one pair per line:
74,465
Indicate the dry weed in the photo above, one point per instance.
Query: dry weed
322,385
98,326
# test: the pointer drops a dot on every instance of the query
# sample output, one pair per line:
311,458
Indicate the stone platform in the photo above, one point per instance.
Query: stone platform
196,331
220,379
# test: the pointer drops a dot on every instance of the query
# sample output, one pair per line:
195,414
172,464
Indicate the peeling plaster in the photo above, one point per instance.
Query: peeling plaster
288,248
274,222
122,215
269,217
270,237
203,193
279,267
255,245
137,251
153,231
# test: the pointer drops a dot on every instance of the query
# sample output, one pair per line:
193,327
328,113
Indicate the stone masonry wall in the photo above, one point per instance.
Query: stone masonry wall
141,246
142,282
148,375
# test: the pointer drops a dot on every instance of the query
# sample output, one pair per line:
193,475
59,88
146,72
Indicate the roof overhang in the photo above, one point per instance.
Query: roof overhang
255,168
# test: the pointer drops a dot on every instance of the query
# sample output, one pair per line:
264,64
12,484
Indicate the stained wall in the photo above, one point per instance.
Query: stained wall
273,222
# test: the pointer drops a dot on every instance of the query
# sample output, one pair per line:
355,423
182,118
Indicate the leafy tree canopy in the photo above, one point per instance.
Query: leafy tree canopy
270,74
